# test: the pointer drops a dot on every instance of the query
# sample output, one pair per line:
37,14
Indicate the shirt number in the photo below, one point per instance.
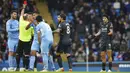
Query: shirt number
68,30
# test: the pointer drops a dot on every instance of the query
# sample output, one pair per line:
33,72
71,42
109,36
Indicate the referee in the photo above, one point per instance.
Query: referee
24,44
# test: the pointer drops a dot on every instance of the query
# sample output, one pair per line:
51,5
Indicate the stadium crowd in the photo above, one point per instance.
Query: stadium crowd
84,17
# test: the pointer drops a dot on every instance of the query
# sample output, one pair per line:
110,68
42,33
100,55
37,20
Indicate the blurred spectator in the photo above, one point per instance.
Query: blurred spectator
127,27
126,55
2,47
127,3
117,6
80,54
116,41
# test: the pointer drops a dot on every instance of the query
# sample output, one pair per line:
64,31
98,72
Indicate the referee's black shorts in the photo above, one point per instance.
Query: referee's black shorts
24,48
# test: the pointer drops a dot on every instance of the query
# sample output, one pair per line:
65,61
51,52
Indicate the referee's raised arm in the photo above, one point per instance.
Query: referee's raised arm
22,12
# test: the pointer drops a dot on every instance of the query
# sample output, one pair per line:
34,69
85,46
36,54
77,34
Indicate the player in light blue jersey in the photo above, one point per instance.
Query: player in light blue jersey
12,28
45,39
35,47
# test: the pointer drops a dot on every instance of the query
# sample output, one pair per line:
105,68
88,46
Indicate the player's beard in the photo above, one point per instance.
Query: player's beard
104,22
14,17
59,22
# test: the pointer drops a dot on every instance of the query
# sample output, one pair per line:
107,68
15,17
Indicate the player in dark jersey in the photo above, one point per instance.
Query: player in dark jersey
64,43
105,32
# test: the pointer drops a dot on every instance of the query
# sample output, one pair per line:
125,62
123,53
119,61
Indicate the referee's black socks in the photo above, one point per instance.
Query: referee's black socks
26,61
17,60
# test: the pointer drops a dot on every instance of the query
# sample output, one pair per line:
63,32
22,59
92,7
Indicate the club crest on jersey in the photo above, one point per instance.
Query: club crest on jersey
104,29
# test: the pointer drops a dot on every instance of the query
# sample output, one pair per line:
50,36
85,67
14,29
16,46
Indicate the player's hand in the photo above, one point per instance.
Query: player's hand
55,46
56,31
31,20
95,35
109,33
24,6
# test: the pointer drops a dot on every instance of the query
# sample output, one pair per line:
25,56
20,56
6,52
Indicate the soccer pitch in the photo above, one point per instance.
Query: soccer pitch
62,72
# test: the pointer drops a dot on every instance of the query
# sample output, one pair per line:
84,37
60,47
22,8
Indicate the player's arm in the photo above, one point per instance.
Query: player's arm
22,12
111,30
98,33
29,25
58,29
39,36
8,29
38,33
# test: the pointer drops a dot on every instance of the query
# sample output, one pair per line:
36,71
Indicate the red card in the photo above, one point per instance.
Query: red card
25,2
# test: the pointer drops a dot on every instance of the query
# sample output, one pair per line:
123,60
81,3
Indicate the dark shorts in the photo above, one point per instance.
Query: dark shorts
24,48
51,51
105,45
63,48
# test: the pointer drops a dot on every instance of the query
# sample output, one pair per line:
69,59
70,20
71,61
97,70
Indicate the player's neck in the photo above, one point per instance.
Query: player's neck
105,22
12,18
39,22
62,21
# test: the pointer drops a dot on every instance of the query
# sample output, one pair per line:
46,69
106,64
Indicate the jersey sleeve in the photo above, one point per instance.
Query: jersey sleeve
17,26
39,29
21,18
100,25
111,26
60,26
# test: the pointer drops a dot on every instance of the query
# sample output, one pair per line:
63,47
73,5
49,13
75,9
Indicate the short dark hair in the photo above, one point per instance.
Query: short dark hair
13,11
29,13
37,12
39,18
63,16
106,16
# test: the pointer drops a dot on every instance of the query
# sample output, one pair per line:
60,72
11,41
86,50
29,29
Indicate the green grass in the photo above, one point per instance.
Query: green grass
62,72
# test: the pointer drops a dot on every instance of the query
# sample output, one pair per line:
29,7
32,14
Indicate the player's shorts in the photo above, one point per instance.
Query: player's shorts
46,46
12,44
35,45
62,48
105,45
23,48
